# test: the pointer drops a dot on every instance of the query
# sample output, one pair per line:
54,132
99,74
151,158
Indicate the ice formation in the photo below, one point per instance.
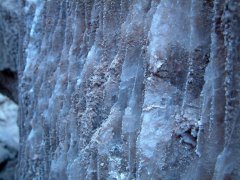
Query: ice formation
141,89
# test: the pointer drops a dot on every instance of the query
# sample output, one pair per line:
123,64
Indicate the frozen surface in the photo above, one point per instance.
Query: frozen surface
145,89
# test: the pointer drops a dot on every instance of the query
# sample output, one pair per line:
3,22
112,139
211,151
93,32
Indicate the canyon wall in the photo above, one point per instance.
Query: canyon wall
129,89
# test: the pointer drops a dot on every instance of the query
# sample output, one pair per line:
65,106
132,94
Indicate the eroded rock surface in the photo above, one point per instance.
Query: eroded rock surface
9,47
9,138
145,89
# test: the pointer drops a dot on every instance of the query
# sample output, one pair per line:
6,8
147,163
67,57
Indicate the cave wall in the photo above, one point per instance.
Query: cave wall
9,137
120,89
9,47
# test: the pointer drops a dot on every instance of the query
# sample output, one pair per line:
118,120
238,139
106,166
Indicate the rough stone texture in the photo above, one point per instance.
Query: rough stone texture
9,137
120,89
9,40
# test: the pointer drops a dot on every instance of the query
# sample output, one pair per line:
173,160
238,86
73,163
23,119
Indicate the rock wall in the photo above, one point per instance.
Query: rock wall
9,138
9,44
120,89
9,47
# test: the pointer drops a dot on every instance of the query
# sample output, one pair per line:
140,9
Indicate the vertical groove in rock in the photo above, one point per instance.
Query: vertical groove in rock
128,89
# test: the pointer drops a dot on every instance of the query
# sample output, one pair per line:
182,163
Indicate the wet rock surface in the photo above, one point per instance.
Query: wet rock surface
144,89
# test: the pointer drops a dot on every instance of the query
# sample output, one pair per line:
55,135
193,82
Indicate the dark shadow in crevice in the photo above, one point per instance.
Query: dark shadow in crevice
9,84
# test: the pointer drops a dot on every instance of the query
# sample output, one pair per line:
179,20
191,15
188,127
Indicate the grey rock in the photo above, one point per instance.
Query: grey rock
9,47
118,89
9,138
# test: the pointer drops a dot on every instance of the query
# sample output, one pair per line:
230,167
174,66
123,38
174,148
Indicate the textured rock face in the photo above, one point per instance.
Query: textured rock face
9,137
119,89
9,38
9,134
